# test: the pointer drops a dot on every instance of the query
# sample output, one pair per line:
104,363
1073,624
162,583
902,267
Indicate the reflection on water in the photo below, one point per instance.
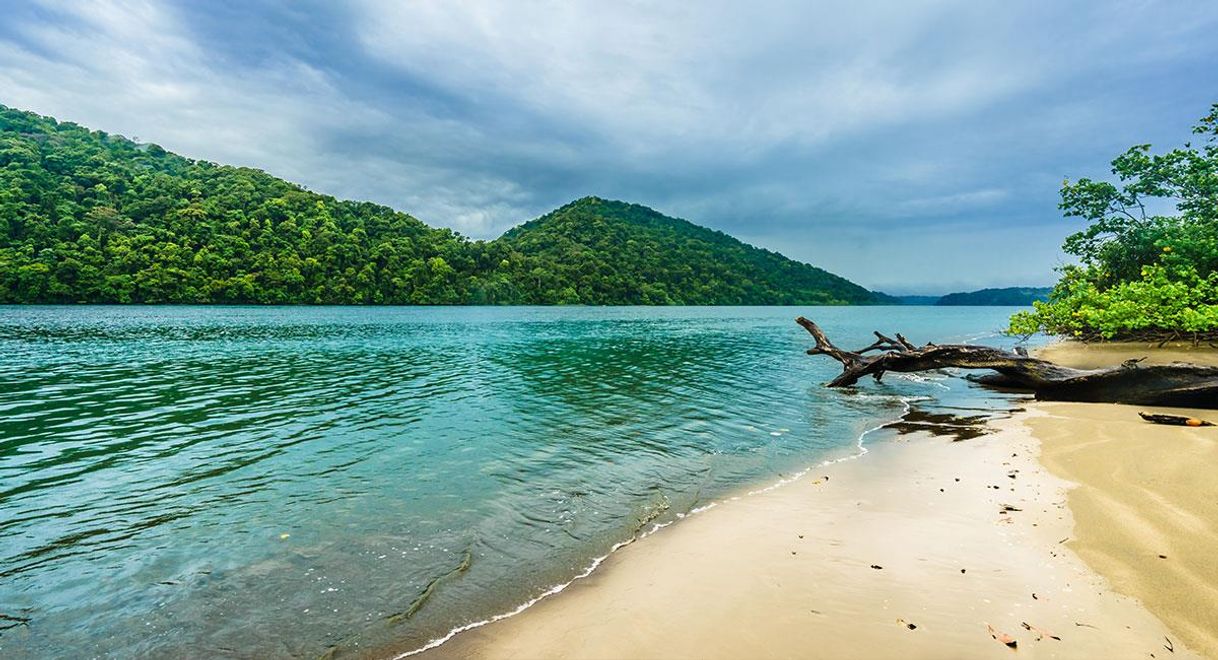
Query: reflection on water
287,481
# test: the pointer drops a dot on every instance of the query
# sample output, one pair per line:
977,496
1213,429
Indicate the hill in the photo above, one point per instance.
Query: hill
1010,296
90,217
606,252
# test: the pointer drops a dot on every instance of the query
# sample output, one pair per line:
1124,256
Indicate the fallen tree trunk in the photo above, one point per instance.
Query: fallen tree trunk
1178,384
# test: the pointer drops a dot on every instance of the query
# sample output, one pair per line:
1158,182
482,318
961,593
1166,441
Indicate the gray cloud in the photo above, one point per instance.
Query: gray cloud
908,146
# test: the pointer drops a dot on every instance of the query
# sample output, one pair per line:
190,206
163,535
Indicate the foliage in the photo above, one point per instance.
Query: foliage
1141,275
91,217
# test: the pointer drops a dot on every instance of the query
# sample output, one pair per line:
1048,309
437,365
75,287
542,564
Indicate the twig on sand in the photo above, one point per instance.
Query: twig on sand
1041,633
1006,639
1173,420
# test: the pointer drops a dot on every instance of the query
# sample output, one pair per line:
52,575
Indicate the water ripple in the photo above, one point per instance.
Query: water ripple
289,481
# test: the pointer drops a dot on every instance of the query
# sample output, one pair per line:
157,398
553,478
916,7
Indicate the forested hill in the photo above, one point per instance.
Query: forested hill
91,217
605,251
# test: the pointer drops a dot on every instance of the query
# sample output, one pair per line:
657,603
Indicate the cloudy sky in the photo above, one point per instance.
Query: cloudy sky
910,146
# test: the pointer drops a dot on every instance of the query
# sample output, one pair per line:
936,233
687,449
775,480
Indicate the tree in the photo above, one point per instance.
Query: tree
1141,275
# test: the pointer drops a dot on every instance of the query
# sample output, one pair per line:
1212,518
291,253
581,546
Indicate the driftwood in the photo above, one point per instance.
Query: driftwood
1174,420
1177,384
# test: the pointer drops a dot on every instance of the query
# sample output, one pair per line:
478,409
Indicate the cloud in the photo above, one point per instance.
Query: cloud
811,129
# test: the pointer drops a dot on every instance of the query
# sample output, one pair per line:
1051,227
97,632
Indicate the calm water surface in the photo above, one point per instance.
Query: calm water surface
267,482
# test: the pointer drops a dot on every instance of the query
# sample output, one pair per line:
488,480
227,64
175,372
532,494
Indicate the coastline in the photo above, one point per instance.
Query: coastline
738,580
788,571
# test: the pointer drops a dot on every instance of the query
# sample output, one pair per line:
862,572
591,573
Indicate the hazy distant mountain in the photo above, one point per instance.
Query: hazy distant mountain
1012,296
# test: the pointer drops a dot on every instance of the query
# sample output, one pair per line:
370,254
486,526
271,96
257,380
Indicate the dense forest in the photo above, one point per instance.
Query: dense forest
600,252
1141,275
88,217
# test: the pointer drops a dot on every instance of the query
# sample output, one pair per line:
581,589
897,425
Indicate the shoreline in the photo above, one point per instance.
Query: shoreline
738,580
714,586
860,451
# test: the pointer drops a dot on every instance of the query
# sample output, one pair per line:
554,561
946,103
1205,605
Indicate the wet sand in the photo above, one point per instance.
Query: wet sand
1146,507
904,553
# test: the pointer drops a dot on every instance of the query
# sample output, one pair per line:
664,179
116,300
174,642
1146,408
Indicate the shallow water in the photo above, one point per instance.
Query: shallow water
286,481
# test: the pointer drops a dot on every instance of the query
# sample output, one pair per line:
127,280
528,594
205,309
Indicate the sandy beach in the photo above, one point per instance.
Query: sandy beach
1072,530
1146,505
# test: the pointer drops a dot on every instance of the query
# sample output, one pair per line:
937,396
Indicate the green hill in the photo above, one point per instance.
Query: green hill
1011,296
96,218
603,252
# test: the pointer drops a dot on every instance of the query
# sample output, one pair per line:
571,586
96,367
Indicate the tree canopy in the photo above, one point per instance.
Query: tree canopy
90,217
1141,274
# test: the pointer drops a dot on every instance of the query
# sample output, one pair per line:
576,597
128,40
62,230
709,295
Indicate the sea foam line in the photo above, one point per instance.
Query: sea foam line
558,588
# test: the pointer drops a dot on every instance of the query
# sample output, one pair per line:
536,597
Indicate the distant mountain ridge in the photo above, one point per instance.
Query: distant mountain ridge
1014,296
89,217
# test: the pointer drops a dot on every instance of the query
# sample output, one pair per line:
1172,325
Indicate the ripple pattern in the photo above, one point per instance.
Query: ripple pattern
284,482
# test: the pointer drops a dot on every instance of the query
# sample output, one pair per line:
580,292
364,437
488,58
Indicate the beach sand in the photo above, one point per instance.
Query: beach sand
1145,491
907,553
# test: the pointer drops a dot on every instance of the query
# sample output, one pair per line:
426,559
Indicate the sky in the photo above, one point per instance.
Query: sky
913,147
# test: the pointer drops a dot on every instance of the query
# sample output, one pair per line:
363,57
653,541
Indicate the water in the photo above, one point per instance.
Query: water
268,482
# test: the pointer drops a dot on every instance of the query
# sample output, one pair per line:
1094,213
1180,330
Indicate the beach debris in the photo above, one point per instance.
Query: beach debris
1171,648
1178,384
801,536
1034,597
1174,420
907,624
1002,637
1085,625
962,571
1008,508
1041,633
877,567
1162,556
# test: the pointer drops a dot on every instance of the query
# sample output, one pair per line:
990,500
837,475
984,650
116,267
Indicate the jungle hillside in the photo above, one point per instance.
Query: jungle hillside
90,217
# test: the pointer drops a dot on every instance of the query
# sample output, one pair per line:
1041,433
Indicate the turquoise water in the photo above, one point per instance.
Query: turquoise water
281,482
